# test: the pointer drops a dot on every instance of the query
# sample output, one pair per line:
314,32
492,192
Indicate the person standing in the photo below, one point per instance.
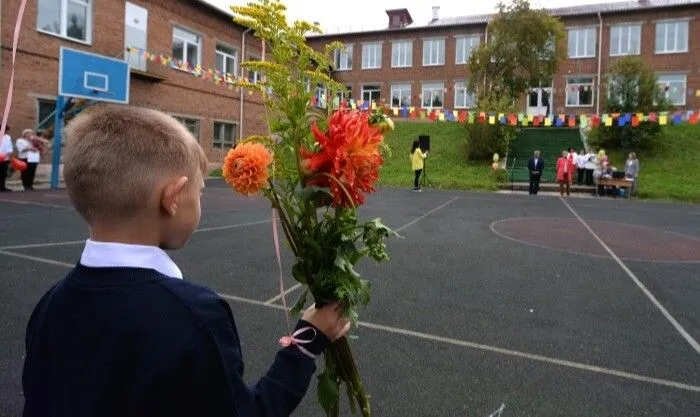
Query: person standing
632,171
565,172
29,150
535,166
6,150
417,157
580,162
589,165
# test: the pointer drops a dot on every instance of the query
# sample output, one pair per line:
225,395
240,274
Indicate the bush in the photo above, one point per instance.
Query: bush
646,136
215,172
483,140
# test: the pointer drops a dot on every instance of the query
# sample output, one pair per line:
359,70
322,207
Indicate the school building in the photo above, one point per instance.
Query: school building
425,65
160,34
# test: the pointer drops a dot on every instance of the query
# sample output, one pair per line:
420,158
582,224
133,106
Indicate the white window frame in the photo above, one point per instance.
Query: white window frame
226,55
569,90
677,47
221,142
343,58
187,44
372,55
662,79
431,45
469,99
464,45
63,21
185,119
403,52
39,101
581,42
430,88
364,89
626,32
400,88
257,76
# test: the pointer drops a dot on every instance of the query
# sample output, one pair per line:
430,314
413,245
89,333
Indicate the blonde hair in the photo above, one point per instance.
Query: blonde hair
25,131
115,155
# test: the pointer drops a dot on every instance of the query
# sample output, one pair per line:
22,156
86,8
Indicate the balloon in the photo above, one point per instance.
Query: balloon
18,165
494,166
495,157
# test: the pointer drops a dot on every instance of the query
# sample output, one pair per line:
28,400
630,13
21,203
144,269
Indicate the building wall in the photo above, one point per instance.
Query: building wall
179,94
685,63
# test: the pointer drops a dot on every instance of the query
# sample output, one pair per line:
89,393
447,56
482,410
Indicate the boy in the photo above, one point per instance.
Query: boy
123,334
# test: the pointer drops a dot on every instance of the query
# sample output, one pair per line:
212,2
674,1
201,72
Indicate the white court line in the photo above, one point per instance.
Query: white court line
31,203
36,259
440,339
426,214
78,242
414,221
279,296
695,345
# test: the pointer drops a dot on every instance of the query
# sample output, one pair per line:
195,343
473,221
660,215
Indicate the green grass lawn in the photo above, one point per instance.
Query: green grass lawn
670,171
446,166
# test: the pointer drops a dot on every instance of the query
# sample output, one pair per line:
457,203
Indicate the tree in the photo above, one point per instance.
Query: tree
521,52
632,88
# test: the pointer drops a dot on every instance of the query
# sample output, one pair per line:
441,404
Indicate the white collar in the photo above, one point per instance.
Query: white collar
111,254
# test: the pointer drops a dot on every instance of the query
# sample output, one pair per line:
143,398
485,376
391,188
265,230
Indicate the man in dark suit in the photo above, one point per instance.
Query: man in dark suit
535,165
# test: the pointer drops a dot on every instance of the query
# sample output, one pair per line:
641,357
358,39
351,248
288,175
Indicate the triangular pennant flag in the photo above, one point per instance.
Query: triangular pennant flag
463,116
471,117
677,119
652,117
492,120
548,121
595,122
608,120
536,121
422,114
635,121
572,121
512,120
449,116
621,121
663,119
693,119
583,121
441,116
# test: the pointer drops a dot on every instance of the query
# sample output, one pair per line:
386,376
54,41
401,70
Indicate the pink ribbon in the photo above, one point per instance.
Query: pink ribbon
10,88
286,341
293,340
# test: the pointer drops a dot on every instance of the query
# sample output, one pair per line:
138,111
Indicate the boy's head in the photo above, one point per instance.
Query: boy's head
134,170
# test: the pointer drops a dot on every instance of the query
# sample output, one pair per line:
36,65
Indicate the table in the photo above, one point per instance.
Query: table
613,182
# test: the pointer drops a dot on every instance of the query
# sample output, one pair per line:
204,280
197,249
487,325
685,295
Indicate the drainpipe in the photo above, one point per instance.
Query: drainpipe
486,41
600,59
242,95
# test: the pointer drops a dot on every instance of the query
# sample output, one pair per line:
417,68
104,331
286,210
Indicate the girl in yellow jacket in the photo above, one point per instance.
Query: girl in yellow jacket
417,157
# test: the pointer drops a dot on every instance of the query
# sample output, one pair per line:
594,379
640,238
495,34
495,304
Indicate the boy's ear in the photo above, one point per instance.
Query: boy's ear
171,194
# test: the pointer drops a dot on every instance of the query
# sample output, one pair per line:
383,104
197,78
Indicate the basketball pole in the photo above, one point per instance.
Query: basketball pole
57,132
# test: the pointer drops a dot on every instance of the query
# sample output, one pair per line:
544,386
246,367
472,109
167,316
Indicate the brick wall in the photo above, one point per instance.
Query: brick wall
179,94
686,63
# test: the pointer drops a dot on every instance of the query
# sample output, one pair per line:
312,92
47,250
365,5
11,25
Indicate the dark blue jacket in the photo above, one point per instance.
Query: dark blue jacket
132,342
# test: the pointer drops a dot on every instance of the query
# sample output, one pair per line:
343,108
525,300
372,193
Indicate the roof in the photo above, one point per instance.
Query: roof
583,10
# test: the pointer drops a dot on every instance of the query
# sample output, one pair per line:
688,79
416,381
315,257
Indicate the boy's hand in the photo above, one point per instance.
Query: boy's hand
328,320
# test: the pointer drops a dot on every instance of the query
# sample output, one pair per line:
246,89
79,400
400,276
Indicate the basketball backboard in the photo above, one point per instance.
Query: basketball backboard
91,76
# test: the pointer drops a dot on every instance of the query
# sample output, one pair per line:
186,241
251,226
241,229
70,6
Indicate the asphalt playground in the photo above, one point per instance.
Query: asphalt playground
546,306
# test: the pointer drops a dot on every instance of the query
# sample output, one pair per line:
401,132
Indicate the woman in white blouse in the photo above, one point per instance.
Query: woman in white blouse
29,148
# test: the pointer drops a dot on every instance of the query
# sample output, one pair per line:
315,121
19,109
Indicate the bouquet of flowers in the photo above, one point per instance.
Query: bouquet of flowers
316,166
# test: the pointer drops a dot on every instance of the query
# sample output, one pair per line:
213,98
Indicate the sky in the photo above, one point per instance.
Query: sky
355,15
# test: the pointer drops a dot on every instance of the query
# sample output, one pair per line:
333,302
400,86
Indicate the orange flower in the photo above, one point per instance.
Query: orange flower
246,167
349,151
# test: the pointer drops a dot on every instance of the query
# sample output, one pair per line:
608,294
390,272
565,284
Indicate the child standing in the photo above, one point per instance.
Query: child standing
417,157
123,334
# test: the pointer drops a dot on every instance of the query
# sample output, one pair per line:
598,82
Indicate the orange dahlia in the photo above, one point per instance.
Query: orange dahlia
246,167
349,151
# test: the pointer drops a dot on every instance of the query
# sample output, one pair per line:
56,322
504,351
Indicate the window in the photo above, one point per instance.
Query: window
191,124
320,95
254,76
402,54
582,43
371,92
226,59
224,135
343,59
401,95
624,96
68,18
625,39
579,92
673,86
465,46
433,94
45,113
671,37
463,98
185,46
344,94
434,52
371,55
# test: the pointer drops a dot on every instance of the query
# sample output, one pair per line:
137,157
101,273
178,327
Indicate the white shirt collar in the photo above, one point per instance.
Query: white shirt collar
110,254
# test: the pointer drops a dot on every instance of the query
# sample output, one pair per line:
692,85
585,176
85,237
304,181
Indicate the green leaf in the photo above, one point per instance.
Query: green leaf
328,392
315,194
299,305
299,272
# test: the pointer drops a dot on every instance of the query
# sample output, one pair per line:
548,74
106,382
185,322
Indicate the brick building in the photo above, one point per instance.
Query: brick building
189,30
425,66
